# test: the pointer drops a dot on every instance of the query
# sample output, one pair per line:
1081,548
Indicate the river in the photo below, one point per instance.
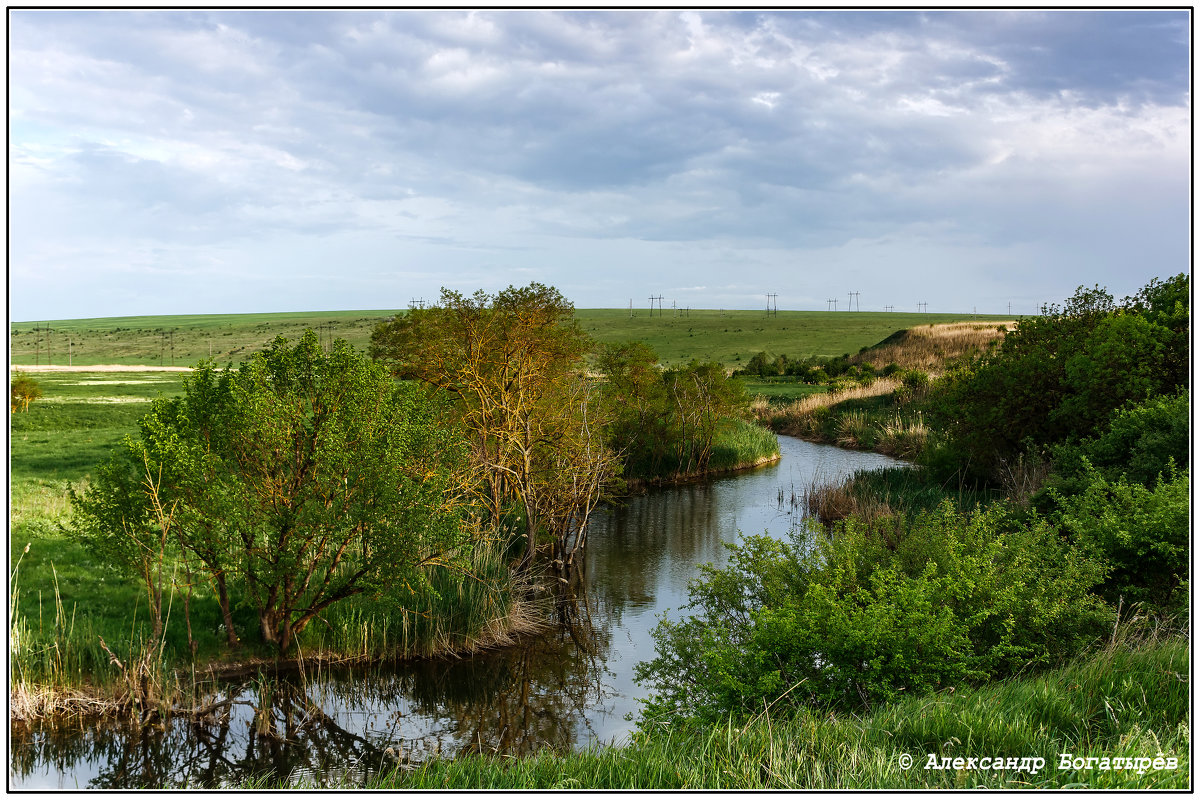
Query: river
571,688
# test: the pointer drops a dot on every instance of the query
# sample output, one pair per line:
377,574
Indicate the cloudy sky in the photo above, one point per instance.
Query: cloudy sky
168,162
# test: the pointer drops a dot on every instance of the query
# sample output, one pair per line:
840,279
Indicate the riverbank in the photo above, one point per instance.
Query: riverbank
185,688
1129,700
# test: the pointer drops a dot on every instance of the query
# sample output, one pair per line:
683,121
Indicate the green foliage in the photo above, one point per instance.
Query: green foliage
23,390
300,479
1059,377
866,615
1139,442
1140,532
668,422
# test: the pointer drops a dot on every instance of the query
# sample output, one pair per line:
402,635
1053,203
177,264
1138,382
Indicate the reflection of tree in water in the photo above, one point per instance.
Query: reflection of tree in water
645,537
326,728
516,701
272,729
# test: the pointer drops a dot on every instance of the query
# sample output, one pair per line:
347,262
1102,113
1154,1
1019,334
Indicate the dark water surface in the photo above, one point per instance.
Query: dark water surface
570,688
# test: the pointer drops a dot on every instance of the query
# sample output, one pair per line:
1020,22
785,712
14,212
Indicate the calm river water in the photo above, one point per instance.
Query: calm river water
570,688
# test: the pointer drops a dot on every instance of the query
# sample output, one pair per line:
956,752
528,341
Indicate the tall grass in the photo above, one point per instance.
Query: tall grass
930,347
742,444
460,609
1127,700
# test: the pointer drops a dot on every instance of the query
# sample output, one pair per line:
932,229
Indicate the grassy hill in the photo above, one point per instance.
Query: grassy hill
730,337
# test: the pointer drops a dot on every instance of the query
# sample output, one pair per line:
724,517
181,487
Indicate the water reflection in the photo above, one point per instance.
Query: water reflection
570,688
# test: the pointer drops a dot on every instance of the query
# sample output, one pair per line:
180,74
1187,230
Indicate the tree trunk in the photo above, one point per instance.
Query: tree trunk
231,637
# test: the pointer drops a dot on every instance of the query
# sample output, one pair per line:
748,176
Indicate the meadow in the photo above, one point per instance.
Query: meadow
728,337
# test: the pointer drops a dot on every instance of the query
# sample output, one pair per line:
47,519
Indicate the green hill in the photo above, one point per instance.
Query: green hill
730,337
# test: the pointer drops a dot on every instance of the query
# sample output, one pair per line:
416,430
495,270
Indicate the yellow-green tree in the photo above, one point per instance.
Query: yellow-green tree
514,365
23,390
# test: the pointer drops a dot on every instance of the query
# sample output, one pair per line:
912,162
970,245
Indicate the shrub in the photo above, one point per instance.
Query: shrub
1141,533
855,618
1139,443
1058,377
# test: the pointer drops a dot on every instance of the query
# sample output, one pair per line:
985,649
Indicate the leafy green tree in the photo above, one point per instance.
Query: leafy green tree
665,422
703,402
23,390
302,478
1060,376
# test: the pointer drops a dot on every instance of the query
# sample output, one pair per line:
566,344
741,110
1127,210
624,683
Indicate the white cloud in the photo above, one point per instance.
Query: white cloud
477,144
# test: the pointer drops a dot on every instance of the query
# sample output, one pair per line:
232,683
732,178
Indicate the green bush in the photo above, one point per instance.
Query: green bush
1139,443
1141,533
871,613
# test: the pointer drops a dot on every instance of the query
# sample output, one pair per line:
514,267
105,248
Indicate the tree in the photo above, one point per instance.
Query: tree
514,365
1061,376
664,422
301,478
23,390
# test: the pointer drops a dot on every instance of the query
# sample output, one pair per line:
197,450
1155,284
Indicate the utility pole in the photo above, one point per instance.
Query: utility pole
631,308
49,352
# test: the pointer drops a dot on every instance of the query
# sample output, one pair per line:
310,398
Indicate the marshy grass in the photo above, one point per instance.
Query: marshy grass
902,438
876,494
461,609
743,444
1129,699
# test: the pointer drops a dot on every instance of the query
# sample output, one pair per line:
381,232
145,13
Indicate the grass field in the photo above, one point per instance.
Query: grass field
729,337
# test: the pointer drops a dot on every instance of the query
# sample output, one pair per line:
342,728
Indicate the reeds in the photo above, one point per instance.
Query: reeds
460,609
743,444
833,501
902,438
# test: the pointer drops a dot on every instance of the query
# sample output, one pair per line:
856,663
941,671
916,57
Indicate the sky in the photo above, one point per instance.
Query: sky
179,161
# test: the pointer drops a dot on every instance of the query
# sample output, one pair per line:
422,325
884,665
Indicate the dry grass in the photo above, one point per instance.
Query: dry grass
929,347
799,418
902,438
29,702
831,501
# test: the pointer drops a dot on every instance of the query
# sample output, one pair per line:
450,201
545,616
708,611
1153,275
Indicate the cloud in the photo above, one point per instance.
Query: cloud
507,143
